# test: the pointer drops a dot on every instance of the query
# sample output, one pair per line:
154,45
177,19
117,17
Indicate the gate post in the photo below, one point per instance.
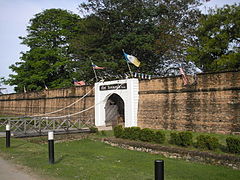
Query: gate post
40,122
51,147
54,124
8,135
35,123
159,170
68,118
25,126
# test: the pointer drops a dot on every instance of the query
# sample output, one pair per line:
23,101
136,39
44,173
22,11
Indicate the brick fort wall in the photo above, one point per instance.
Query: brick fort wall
209,104
37,103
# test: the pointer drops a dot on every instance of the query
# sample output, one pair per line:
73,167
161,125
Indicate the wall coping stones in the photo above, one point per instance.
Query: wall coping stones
189,90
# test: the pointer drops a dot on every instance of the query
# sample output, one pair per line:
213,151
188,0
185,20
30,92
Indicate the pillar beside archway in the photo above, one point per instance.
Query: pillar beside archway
127,89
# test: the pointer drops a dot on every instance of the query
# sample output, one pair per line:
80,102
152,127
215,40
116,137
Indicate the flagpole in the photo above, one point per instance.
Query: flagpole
130,70
24,89
128,65
94,71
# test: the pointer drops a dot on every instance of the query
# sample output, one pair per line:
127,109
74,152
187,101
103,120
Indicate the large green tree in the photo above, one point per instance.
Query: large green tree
218,40
49,58
152,30
62,45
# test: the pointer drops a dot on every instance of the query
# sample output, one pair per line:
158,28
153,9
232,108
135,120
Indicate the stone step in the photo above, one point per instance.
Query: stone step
104,128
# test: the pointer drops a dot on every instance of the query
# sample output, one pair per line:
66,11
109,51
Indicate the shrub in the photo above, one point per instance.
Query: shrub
147,135
159,137
233,145
132,133
186,138
181,138
118,131
93,129
207,142
174,138
126,134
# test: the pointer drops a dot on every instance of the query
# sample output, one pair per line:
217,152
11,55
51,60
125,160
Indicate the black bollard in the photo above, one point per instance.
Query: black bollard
8,135
51,147
159,170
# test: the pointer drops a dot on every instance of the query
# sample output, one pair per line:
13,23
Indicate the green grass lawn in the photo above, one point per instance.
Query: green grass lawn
88,159
2,129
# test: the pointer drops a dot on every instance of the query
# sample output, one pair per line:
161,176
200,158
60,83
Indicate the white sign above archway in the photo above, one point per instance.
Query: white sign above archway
127,89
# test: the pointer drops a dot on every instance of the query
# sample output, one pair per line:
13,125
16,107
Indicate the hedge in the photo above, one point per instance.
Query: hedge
181,138
132,133
135,133
178,138
207,142
118,131
233,145
147,135
159,137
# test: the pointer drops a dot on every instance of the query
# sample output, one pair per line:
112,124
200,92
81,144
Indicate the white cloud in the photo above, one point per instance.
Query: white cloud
217,4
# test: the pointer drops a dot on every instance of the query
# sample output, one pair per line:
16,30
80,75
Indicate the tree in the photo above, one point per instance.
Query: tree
152,30
49,60
218,38
2,80
62,44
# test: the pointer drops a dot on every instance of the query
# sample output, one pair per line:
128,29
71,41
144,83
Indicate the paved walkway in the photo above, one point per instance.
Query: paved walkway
9,171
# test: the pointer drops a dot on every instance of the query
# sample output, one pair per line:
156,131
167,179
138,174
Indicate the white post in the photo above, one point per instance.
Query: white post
51,148
50,135
8,127
8,135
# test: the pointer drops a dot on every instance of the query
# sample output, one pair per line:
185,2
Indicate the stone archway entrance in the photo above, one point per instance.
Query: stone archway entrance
114,111
119,97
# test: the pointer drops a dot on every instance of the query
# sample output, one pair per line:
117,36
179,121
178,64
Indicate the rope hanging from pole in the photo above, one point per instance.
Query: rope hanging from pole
64,107
69,115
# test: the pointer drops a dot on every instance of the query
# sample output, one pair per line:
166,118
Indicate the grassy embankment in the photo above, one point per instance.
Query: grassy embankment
88,159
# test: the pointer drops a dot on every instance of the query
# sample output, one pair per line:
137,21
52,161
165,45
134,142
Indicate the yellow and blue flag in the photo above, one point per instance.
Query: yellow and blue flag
132,59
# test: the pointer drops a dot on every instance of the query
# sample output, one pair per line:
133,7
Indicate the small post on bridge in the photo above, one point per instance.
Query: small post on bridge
51,147
159,170
8,135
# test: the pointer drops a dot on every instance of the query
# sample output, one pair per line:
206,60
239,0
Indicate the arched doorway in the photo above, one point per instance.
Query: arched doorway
114,111
127,94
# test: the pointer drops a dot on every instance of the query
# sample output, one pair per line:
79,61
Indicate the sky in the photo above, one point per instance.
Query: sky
14,18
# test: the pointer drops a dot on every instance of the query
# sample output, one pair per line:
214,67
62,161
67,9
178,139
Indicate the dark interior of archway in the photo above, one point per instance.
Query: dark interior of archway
115,99
119,102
